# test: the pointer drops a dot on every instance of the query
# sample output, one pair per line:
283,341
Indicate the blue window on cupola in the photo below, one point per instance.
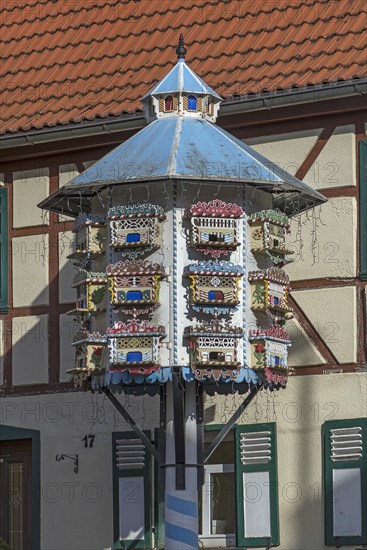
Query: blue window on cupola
191,103
168,103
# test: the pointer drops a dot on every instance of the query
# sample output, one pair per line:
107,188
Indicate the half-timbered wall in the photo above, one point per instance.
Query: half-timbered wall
328,332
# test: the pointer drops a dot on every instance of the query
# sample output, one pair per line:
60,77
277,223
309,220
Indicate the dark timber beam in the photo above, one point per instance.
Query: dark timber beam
179,429
141,435
231,422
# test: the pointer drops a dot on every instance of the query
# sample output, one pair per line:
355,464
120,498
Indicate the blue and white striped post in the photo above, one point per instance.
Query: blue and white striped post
181,507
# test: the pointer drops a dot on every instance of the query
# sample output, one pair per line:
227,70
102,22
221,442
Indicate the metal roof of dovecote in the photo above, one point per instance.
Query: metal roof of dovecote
186,148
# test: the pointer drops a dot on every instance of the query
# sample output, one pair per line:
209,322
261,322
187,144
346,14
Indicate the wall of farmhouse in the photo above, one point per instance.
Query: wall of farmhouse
327,334
300,412
324,275
76,509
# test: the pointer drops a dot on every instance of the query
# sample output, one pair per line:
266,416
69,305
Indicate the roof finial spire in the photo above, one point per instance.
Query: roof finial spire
181,50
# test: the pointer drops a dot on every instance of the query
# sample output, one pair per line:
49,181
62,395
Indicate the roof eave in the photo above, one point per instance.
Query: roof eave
230,106
72,199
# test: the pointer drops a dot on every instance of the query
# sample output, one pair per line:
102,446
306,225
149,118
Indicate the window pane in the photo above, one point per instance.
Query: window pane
347,508
131,501
15,504
256,491
224,453
223,503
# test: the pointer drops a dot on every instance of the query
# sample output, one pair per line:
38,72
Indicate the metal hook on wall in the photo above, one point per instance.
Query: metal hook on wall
74,458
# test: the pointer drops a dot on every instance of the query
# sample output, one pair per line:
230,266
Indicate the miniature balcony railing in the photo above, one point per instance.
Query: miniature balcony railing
134,283
214,227
214,363
134,346
136,226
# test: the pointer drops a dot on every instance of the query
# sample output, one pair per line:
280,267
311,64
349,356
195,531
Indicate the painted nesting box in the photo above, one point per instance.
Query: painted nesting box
90,292
269,351
214,227
90,355
135,346
213,349
90,236
268,230
136,227
134,284
214,285
269,291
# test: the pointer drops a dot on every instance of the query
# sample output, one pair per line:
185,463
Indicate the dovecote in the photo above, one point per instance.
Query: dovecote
135,346
90,355
136,227
214,285
214,227
213,349
269,352
134,284
91,290
270,291
268,230
90,236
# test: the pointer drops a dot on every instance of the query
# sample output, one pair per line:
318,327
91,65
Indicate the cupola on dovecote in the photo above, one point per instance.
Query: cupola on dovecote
181,93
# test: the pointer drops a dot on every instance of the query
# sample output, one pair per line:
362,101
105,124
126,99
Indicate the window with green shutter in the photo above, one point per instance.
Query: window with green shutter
132,492
345,491
363,208
4,250
257,486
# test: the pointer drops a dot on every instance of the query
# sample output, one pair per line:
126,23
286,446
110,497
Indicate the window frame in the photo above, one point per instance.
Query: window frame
210,469
4,271
329,466
209,540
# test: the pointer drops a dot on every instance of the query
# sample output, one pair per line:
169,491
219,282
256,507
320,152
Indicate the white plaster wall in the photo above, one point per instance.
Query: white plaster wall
68,329
303,351
30,270
300,412
29,188
323,241
2,182
286,150
67,172
333,313
76,509
30,350
66,268
335,166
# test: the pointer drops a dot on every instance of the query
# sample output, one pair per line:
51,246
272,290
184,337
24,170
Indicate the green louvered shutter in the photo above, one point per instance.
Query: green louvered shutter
3,250
257,486
132,492
345,492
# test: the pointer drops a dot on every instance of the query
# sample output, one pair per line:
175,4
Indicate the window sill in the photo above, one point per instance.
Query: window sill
217,541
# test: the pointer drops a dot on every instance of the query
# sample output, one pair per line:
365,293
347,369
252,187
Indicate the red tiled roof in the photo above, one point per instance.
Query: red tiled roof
67,61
